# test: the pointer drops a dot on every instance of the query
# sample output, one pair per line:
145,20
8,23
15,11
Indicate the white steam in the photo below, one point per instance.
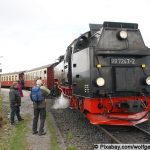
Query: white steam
61,102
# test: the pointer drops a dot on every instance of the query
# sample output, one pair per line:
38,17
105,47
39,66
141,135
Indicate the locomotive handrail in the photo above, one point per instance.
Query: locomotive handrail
120,25
124,65
133,52
145,100
144,72
112,105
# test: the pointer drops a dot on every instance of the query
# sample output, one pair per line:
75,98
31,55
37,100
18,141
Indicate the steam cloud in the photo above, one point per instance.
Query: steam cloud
61,102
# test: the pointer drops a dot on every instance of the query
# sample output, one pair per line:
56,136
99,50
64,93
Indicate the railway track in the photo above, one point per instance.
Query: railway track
144,131
125,135
112,139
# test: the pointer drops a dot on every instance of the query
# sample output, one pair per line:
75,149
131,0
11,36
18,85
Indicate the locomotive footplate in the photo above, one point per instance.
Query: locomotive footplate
125,119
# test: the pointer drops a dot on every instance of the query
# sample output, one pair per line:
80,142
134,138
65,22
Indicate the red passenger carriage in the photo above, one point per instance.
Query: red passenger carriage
45,73
8,78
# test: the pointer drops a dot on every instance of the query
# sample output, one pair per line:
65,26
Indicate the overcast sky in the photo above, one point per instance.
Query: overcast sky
34,33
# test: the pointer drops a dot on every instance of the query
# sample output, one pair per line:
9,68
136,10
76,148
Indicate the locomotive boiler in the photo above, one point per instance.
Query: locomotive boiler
106,74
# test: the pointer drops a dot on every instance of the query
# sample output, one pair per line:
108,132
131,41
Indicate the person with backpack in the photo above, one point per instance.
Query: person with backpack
15,103
38,95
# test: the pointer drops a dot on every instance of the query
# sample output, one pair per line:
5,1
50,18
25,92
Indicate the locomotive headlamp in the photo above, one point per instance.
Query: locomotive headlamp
98,66
148,80
100,81
123,35
143,66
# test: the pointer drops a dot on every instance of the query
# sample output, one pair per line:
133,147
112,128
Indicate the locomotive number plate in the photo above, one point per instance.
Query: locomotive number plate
122,61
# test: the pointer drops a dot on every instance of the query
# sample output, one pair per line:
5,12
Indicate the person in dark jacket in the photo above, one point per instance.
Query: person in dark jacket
40,110
15,103
19,86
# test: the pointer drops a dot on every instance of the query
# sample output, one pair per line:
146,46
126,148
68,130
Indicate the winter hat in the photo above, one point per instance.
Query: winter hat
39,82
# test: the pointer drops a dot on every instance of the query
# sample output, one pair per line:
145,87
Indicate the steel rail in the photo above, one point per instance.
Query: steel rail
144,131
114,139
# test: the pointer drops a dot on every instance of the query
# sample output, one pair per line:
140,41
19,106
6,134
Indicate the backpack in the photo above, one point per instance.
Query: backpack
36,94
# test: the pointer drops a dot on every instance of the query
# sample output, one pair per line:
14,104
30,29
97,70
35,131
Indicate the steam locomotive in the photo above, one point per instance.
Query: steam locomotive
105,74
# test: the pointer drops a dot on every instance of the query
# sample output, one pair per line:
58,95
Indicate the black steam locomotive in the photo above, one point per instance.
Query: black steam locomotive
106,74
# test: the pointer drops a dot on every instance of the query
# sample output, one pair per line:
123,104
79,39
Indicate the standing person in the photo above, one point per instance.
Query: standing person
0,86
19,86
55,92
38,94
22,83
15,103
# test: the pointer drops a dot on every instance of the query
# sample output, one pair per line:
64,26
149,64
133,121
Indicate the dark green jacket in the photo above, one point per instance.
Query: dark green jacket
14,97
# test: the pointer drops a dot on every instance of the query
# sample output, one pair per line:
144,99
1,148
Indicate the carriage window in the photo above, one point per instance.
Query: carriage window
15,77
12,78
40,74
30,76
34,75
